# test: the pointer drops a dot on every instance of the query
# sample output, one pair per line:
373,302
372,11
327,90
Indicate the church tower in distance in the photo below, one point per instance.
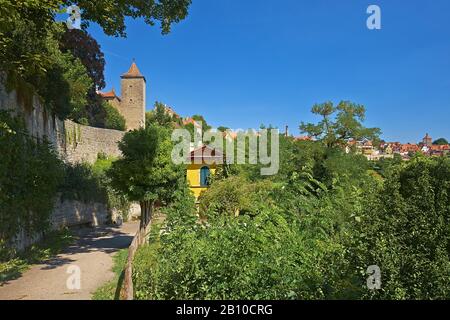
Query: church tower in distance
132,105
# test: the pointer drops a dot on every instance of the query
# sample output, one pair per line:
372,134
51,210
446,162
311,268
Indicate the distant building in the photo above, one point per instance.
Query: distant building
204,163
427,140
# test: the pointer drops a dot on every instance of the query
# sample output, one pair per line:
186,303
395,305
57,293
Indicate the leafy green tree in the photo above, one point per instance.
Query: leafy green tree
159,116
222,128
84,47
406,232
111,15
113,119
339,124
146,172
193,130
440,141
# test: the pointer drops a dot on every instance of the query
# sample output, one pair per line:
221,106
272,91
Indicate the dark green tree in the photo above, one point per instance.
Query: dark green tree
113,119
161,117
440,141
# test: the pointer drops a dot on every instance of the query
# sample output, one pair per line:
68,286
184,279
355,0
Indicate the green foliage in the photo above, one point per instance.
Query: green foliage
232,258
164,12
114,120
111,289
82,184
159,116
90,183
234,196
40,56
27,186
339,124
115,200
440,141
12,266
193,130
406,232
289,244
34,58
146,172
308,233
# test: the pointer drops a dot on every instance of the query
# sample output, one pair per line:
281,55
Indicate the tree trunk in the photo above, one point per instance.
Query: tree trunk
146,212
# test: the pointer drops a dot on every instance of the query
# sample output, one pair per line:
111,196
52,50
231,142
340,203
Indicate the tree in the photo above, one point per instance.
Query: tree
222,128
84,47
440,142
146,172
339,124
111,15
113,120
161,117
406,232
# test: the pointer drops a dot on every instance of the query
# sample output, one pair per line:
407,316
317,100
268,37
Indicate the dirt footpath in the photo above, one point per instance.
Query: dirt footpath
91,255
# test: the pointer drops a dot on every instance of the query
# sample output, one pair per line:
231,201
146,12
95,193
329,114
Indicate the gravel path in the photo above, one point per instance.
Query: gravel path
92,253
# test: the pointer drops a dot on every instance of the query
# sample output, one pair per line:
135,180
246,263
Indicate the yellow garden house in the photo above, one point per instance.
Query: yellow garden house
203,164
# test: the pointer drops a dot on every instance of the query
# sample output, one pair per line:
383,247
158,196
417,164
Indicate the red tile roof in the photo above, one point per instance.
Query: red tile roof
192,121
408,147
108,95
206,152
303,138
133,72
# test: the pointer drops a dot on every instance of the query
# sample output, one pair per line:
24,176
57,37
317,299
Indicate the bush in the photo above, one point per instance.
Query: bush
113,119
234,196
311,234
407,232
82,184
89,183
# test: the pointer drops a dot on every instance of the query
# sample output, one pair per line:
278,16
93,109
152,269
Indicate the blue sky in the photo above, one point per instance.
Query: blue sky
241,63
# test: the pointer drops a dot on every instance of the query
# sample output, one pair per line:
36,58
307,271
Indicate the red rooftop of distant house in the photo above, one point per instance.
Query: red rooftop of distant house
304,138
206,152
192,121
440,147
109,95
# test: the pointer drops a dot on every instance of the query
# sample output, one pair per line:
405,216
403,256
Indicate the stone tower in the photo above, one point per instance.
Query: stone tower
132,105
427,140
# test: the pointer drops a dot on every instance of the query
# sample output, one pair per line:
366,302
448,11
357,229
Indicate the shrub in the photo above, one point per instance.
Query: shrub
113,119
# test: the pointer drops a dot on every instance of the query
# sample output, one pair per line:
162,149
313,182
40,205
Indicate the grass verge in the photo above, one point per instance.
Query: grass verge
144,257
111,289
52,244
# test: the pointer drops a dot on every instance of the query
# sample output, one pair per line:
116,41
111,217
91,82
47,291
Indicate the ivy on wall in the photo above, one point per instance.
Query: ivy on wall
73,135
30,172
